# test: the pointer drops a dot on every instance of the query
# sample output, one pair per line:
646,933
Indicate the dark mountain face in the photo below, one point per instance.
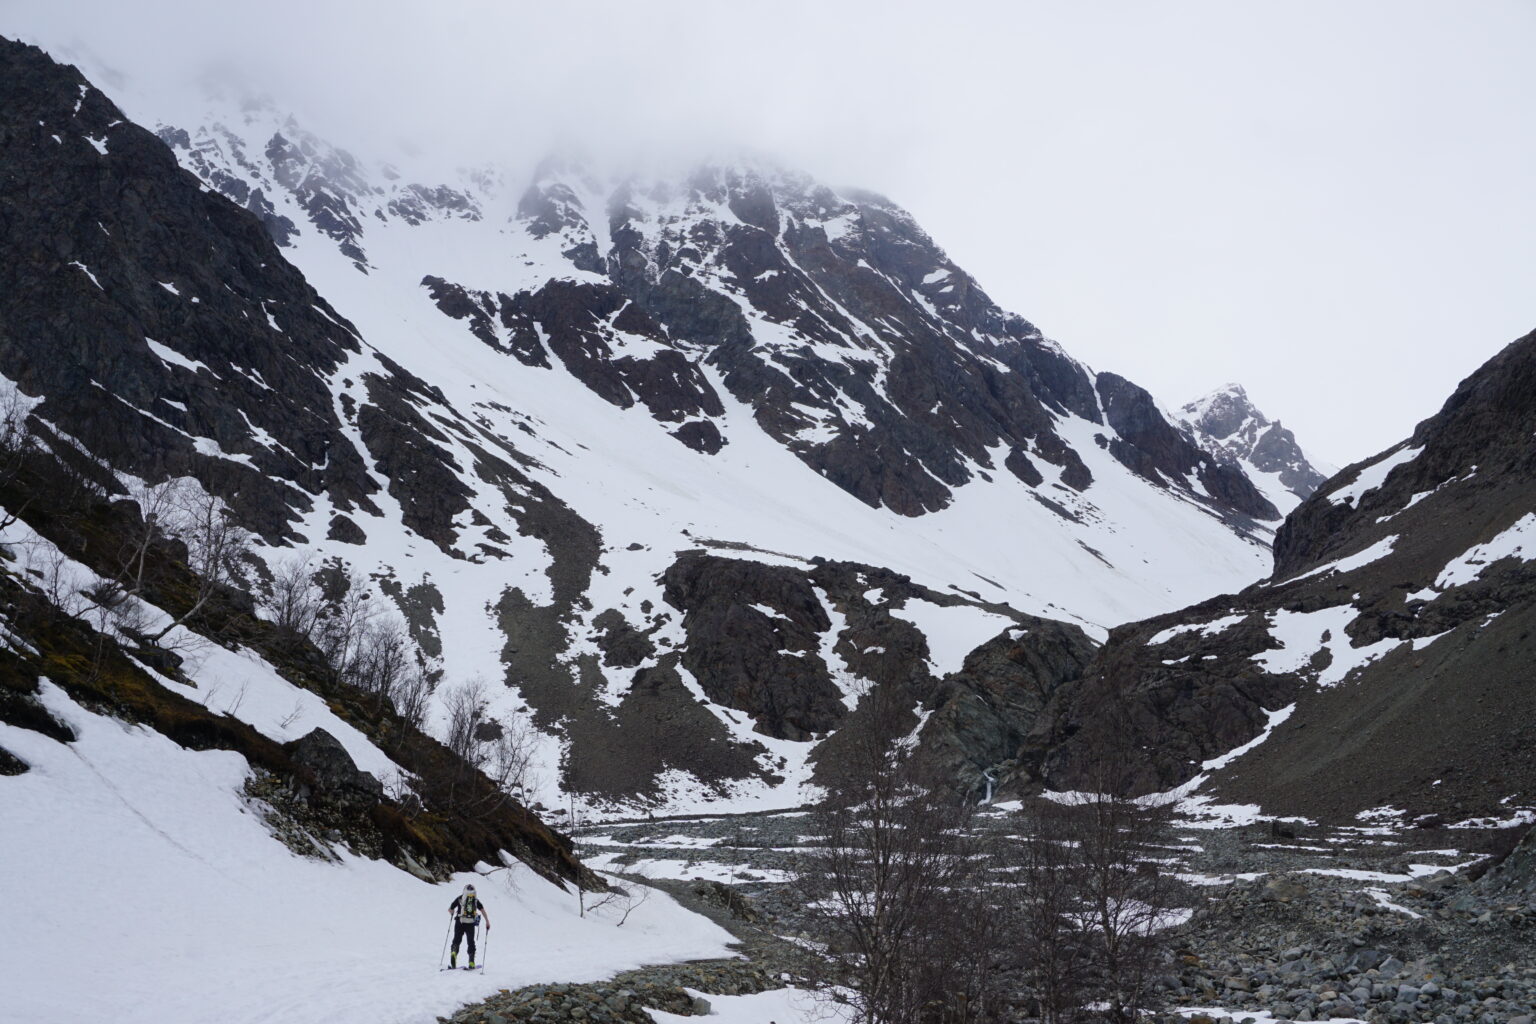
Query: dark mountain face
151,329
1396,628
163,331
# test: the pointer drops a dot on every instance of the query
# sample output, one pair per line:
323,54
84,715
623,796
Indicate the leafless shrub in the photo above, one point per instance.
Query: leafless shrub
293,601
512,756
347,608
378,659
930,918
216,546
465,706
57,578
501,750
412,695
894,893
292,716
368,648
618,902
233,707
157,504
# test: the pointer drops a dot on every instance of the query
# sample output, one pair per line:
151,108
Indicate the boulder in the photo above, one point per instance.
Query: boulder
1516,873
335,777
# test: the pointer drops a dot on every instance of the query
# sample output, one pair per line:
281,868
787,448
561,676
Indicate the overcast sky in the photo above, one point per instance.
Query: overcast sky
1333,203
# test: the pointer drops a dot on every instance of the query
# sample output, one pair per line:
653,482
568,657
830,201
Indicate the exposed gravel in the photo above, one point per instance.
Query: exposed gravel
1318,924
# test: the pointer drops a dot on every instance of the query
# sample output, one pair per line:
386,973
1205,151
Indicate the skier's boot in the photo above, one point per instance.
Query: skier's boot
453,959
471,965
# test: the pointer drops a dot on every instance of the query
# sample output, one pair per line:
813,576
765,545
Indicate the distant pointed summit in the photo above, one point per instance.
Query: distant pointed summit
1227,424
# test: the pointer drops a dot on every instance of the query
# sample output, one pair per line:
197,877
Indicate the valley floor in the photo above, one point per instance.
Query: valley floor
1285,921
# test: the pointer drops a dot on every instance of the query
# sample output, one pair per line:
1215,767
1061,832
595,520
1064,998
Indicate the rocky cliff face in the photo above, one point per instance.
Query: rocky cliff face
1383,664
1227,424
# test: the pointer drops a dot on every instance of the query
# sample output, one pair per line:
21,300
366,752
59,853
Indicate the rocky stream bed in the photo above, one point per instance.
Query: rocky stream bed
1308,923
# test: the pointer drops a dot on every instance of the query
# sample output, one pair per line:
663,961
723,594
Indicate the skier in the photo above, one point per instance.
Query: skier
465,909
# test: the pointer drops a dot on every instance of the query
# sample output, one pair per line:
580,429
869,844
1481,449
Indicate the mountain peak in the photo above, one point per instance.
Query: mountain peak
1223,411
1226,423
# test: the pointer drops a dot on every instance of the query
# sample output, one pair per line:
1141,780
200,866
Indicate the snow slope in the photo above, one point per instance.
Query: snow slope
140,866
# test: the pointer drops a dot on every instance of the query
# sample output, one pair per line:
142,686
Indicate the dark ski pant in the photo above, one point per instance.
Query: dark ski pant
464,930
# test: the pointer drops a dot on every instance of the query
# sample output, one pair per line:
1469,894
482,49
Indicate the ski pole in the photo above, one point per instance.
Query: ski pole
485,950
444,954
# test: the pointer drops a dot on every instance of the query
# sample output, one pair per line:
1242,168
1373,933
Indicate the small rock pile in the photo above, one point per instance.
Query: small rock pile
623,998
309,827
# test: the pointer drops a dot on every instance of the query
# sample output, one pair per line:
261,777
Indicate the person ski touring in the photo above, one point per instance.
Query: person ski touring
466,909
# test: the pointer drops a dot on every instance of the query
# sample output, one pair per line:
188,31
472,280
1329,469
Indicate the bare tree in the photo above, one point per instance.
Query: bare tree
216,545
617,902
513,755
411,696
893,892
465,706
503,749
1123,901
293,600
368,649
1041,897
158,507
469,727
378,658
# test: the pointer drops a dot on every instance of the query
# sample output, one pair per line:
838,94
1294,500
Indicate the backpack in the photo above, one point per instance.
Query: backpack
469,909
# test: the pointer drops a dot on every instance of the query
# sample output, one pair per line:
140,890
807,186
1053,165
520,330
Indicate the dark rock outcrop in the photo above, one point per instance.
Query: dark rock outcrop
1514,877
1153,448
332,772
753,642
984,714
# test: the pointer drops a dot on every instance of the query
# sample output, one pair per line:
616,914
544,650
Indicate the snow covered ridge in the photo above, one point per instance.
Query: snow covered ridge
323,757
